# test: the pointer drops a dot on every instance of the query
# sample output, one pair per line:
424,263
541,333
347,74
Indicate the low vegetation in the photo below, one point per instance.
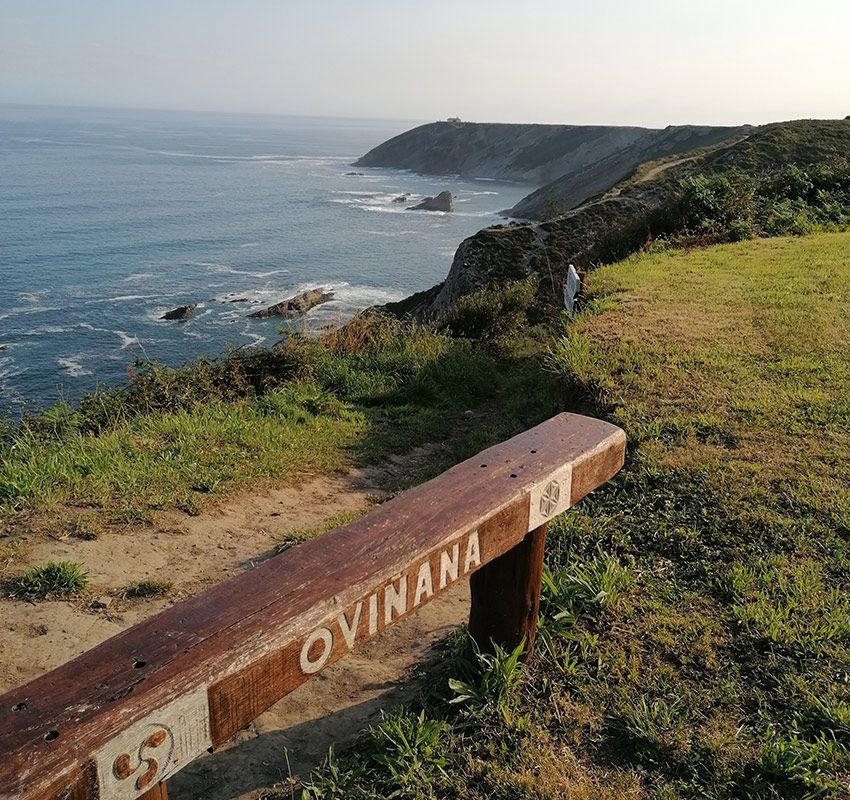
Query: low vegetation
173,438
146,589
53,579
694,637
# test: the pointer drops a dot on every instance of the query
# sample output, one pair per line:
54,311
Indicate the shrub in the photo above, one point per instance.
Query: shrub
488,683
493,316
711,205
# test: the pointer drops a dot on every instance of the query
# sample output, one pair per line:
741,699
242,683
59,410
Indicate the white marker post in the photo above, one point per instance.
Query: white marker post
571,288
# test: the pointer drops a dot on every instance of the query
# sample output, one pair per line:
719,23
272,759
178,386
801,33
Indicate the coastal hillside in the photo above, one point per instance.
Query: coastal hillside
533,154
789,177
579,185
580,160
695,628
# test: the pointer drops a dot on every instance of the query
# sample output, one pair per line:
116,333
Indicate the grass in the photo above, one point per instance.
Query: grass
146,589
694,638
53,579
177,438
337,520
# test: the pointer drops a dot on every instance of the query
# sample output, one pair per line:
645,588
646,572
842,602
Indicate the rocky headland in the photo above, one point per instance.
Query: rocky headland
627,213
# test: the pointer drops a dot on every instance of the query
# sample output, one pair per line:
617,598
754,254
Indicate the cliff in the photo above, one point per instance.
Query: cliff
644,206
570,162
533,154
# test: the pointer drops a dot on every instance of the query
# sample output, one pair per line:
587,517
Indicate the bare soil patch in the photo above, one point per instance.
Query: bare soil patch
188,553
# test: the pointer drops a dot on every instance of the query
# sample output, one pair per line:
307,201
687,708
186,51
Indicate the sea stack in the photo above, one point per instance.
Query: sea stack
180,313
442,202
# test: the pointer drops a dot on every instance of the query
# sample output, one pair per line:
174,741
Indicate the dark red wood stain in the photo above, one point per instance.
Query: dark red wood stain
239,638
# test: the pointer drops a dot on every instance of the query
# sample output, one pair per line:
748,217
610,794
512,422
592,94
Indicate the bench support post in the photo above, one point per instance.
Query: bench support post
506,596
159,792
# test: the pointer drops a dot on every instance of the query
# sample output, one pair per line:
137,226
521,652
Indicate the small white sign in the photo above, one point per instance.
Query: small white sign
571,288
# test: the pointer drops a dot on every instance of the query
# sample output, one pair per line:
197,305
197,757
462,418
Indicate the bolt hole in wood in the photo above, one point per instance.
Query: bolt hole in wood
138,663
51,736
19,706
513,474
483,465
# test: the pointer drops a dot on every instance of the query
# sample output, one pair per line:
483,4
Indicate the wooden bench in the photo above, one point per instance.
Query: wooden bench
120,719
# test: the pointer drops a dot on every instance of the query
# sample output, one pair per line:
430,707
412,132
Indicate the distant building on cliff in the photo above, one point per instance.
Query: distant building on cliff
454,120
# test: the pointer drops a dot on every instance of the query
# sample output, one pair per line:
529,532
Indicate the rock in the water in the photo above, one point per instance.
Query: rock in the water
300,304
3,347
355,174
442,202
180,313
402,198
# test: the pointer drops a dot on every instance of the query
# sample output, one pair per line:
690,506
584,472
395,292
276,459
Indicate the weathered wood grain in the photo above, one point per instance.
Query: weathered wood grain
159,792
506,596
139,697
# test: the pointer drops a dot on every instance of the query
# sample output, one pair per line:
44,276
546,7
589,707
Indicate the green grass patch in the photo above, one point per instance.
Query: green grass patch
693,638
53,579
175,438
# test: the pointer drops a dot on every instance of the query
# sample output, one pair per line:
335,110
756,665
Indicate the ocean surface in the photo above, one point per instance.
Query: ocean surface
108,219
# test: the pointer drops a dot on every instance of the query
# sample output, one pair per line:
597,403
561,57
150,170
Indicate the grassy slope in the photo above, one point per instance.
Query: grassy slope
695,637
730,371
181,438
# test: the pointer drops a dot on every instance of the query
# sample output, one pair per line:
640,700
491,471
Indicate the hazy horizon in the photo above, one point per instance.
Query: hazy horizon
547,62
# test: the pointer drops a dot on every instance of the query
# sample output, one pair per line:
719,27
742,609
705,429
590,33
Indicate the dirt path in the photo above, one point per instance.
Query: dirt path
190,553
293,736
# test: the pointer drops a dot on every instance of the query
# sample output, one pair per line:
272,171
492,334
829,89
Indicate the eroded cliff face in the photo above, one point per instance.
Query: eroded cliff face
533,154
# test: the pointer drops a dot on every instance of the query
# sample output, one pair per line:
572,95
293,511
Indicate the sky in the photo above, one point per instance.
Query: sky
644,62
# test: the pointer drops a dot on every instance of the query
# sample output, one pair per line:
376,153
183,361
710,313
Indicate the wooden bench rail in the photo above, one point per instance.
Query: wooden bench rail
121,718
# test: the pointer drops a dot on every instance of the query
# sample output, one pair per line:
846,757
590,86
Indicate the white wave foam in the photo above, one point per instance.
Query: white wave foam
46,329
361,296
126,339
138,277
26,311
264,158
9,369
121,298
72,366
226,269
250,244
257,339
32,297
264,294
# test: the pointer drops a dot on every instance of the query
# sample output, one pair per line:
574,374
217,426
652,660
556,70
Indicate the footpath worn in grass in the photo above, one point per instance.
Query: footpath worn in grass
695,629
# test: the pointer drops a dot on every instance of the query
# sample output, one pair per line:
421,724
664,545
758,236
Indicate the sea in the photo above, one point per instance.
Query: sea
110,218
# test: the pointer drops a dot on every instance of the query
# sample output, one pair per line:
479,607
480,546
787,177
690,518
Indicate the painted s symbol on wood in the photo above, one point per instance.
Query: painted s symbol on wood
151,751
